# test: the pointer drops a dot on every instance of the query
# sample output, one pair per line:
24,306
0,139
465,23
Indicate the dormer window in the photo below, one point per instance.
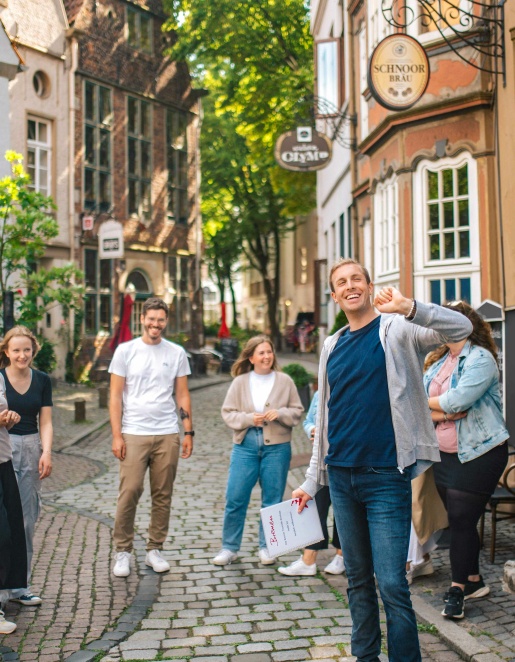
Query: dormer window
139,30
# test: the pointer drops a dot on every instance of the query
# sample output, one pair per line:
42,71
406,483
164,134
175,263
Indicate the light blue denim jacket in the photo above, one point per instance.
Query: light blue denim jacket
474,388
311,417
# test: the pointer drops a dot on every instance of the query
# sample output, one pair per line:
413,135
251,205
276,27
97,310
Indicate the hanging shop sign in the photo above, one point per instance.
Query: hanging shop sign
398,72
110,240
303,150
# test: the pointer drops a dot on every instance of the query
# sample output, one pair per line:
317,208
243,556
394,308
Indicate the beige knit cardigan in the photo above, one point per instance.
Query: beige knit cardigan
238,409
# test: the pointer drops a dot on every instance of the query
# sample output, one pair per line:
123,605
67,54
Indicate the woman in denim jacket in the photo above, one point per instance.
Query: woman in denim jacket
462,383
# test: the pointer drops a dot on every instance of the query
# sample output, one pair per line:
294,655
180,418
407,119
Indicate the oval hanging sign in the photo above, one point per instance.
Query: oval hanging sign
398,72
303,150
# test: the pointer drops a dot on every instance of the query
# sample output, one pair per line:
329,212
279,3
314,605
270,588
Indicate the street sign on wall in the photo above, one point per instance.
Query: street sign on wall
398,72
110,240
303,150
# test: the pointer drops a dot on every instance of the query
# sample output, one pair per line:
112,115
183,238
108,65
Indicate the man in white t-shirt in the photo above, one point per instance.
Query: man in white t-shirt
144,374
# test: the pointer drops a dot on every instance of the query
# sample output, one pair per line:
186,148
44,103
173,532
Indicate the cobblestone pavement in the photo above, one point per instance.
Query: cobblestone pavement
246,612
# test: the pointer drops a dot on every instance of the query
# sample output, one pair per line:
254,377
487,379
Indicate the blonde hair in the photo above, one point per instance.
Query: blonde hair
16,332
343,261
243,364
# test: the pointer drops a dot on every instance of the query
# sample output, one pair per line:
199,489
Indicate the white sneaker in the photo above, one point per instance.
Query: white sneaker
224,557
156,561
298,569
6,627
336,567
122,567
421,570
265,557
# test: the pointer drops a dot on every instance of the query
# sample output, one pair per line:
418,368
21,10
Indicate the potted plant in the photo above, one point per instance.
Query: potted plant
302,380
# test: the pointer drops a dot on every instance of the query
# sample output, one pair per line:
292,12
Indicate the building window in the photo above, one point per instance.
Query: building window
41,84
138,281
98,297
448,213
386,224
378,26
39,155
328,84
177,163
178,270
139,147
139,30
98,120
345,234
446,235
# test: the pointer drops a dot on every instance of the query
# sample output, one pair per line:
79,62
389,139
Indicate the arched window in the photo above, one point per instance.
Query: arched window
446,236
138,282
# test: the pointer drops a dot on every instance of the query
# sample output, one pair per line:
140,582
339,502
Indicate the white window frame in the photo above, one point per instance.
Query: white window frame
378,26
328,62
426,269
386,232
39,147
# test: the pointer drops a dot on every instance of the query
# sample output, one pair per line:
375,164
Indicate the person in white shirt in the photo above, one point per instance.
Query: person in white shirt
145,372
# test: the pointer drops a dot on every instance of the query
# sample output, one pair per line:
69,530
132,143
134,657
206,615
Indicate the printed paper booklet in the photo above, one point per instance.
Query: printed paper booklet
286,530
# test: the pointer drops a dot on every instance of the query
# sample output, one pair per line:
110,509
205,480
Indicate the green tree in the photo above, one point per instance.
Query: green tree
26,226
255,58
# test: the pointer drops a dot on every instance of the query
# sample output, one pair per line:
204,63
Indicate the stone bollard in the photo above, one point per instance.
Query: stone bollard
80,411
103,397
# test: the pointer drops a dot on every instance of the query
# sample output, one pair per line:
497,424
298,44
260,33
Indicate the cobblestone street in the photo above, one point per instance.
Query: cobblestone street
245,612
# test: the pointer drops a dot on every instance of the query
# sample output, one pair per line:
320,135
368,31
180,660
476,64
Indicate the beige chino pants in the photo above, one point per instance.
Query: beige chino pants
160,454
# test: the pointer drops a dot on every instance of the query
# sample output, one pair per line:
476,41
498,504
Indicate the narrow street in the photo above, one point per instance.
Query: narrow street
245,612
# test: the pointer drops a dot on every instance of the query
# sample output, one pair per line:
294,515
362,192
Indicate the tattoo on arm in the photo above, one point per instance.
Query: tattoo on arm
183,413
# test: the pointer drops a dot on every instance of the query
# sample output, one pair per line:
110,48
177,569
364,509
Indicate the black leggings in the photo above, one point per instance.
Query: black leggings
323,501
464,510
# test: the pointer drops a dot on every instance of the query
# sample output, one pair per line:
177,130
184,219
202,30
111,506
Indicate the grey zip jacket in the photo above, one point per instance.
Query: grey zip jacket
405,345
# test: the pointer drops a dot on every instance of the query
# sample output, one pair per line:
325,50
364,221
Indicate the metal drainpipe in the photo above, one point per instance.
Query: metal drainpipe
198,237
71,168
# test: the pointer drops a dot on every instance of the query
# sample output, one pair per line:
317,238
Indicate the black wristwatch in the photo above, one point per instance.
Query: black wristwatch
191,433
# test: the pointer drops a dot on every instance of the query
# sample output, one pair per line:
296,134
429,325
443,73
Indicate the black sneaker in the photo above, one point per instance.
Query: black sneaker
454,605
472,590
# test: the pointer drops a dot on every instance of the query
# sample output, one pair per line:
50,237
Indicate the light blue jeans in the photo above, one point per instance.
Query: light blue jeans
253,460
26,454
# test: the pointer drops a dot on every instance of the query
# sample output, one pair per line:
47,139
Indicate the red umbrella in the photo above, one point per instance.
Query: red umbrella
123,329
223,331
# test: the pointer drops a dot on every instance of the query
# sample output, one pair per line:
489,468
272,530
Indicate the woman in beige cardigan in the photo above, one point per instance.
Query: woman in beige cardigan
261,408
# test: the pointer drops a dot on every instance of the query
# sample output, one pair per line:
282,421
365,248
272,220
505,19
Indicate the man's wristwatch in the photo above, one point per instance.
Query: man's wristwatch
191,433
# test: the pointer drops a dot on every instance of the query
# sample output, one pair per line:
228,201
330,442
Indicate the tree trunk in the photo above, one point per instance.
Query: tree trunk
233,301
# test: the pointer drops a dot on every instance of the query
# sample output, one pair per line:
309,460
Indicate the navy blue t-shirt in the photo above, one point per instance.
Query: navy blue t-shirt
28,404
360,426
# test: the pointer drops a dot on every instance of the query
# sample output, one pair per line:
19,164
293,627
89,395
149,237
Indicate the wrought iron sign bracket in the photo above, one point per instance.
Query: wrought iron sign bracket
464,25
336,121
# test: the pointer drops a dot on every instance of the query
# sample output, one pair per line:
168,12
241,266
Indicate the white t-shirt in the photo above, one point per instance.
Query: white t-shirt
150,372
260,388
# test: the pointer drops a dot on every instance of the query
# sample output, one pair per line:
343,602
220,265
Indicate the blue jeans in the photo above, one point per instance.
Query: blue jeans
253,460
372,507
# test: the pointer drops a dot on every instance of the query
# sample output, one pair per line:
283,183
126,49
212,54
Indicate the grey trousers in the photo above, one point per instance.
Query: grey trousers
26,454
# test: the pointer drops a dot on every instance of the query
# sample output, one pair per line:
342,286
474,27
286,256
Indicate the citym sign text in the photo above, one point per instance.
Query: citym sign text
303,150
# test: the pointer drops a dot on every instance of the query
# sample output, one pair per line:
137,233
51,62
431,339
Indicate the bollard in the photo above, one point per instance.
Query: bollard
80,411
103,393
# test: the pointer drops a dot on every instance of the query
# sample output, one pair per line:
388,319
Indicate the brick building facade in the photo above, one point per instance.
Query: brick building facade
135,147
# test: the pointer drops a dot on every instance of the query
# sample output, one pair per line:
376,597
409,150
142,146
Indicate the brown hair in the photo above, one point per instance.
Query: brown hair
343,261
481,333
243,364
15,332
154,303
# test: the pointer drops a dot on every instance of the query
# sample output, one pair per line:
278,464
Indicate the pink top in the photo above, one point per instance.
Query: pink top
445,431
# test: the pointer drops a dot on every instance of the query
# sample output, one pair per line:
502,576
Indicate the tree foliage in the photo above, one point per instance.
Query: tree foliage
26,226
255,59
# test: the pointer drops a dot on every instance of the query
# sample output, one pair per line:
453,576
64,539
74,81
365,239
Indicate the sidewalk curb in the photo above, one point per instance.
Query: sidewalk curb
453,635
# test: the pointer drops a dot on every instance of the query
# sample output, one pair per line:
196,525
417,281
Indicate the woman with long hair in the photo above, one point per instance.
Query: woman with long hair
261,408
28,392
462,383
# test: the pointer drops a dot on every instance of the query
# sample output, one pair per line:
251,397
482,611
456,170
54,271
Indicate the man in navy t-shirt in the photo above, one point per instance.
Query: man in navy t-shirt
373,433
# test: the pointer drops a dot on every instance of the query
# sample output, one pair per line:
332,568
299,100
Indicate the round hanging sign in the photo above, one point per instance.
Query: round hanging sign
398,72
303,150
